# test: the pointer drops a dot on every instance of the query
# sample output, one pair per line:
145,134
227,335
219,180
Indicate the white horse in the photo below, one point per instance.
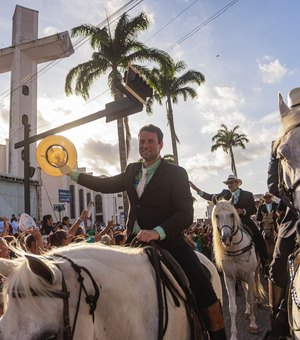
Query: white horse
235,254
43,296
287,149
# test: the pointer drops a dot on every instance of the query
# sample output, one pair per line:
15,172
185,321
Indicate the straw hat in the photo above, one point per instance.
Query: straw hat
267,194
232,178
294,97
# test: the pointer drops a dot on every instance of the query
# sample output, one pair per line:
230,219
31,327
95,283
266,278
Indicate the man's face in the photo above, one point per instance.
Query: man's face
268,199
233,185
149,147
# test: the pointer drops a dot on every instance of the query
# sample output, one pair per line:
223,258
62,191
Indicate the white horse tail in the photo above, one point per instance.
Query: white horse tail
259,292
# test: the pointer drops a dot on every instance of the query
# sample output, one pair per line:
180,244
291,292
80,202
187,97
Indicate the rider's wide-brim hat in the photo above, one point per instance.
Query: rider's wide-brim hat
267,194
294,97
232,178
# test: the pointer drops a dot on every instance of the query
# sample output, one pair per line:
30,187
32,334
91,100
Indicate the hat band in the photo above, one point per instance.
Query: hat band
295,105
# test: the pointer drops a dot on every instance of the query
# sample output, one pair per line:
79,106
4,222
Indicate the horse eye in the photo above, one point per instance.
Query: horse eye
280,156
232,215
217,216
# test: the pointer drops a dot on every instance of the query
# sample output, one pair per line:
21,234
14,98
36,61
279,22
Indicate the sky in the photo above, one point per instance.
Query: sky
247,54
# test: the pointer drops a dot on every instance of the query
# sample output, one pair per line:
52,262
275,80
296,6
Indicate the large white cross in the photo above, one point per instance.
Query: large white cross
21,59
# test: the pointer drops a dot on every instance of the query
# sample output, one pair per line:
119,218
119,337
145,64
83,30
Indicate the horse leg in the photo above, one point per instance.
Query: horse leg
247,307
253,329
230,286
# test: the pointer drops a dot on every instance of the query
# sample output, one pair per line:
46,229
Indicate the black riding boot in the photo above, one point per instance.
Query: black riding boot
279,320
214,321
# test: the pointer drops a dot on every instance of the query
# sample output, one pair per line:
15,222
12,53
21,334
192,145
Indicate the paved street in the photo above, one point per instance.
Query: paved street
262,317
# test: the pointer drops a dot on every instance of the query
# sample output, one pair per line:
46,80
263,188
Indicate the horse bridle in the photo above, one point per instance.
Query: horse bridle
64,294
90,299
285,193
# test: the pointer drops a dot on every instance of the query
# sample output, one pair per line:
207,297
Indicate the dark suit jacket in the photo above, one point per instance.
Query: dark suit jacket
288,223
262,209
166,201
246,201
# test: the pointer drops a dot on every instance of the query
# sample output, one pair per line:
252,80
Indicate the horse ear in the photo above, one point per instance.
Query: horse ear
214,200
231,200
6,266
40,268
283,108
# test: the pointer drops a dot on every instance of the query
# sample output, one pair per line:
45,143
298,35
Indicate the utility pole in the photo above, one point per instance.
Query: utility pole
26,160
136,90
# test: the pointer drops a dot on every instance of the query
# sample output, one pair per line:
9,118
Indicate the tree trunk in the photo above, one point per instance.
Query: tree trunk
122,148
172,129
233,167
127,136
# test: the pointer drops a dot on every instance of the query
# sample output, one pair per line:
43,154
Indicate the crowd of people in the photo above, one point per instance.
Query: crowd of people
45,235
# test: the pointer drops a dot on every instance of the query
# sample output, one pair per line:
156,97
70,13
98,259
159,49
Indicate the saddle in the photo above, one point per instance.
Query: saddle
169,275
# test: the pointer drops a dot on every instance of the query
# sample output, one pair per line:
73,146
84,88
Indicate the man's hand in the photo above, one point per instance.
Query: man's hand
240,211
193,186
147,236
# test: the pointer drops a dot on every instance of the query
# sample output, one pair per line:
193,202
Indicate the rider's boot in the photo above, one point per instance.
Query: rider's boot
279,318
214,321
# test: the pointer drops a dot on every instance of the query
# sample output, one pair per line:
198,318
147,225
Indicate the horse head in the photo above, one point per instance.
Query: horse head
225,221
267,226
286,150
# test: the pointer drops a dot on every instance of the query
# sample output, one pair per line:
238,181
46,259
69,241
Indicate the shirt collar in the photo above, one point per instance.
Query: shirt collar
152,168
236,193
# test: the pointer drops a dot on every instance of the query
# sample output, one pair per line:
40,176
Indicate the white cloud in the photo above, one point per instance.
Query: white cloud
271,70
271,118
219,105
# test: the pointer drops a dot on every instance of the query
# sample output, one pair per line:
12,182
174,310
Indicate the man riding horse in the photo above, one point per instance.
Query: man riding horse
244,204
269,207
161,207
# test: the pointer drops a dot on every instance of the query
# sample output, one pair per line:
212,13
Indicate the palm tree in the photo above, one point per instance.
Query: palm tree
227,140
113,52
166,84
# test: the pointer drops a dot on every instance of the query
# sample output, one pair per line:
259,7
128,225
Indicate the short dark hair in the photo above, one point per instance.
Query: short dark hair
154,129
65,219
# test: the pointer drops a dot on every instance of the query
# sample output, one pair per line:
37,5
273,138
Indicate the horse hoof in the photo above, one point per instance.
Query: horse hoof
247,316
253,330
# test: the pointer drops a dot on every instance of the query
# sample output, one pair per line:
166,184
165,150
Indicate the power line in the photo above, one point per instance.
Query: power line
203,24
81,41
78,43
168,23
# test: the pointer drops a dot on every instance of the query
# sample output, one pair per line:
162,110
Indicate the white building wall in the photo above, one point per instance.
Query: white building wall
3,159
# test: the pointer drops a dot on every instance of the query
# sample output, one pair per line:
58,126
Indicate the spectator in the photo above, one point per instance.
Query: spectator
47,225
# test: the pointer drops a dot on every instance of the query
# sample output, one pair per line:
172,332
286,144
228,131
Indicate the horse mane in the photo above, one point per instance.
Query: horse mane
21,281
221,207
